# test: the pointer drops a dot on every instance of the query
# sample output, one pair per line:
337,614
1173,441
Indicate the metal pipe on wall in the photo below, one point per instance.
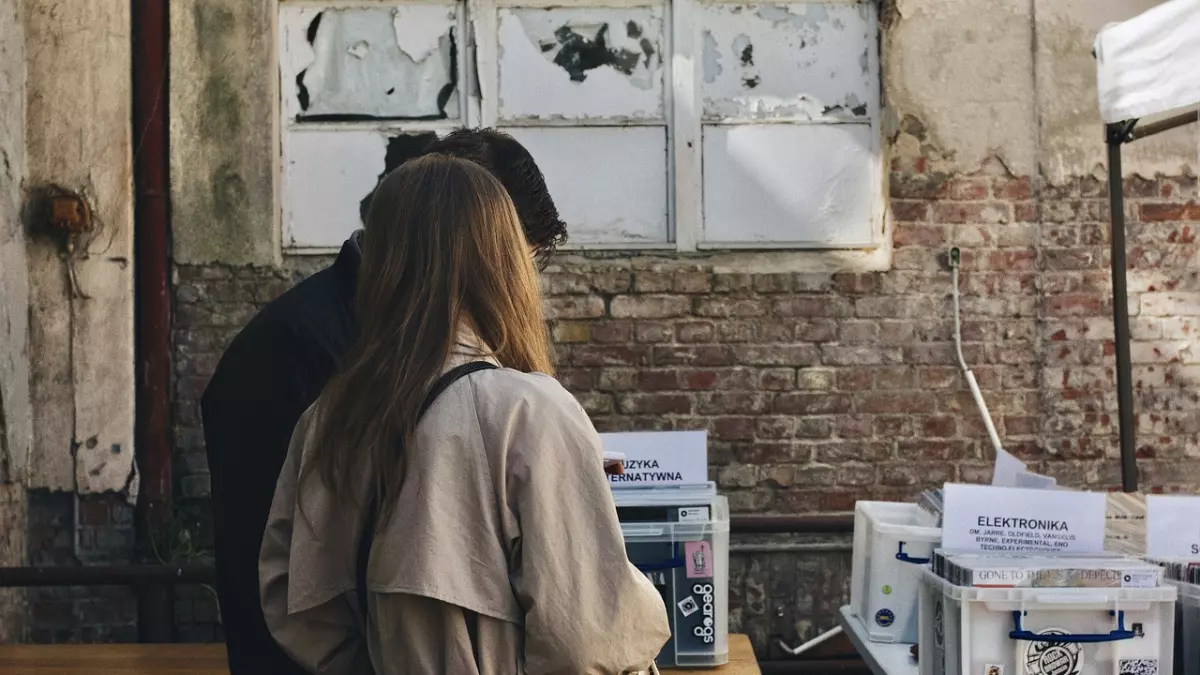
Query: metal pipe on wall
818,523
152,301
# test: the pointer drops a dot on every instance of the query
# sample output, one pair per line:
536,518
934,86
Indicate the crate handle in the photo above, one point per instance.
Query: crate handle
904,557
1118,634
659,566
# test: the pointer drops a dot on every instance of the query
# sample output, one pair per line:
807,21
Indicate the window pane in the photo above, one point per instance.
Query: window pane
610,183
382,62
328,176
581,63
801,184
795,61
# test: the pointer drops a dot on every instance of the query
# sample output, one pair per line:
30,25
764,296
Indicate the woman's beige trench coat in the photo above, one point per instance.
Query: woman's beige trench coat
504,554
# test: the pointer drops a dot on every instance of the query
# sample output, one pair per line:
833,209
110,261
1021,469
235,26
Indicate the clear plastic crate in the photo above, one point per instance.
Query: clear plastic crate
679,537
1045,631
1187,627
892,542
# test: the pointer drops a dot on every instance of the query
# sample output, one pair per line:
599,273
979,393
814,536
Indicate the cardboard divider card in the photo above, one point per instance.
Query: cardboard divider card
1172,527
996,519
659,457
1125,524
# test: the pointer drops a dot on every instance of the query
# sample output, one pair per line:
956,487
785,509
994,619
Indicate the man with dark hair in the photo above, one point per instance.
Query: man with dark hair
275,369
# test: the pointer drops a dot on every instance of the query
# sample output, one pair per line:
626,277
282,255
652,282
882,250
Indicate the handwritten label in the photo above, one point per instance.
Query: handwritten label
985,518
1172,527
659,457
1125,524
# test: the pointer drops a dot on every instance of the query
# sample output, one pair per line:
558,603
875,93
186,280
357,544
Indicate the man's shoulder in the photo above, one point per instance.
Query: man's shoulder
301,309
310,316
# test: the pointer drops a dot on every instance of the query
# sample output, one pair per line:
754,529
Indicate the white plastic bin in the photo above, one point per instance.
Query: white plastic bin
892,542
1045,631
679,537
1187,627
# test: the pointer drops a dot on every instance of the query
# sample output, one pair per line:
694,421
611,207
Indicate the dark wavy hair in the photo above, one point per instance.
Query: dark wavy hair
506,159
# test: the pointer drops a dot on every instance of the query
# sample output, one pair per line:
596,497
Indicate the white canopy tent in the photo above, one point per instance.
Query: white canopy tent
1146,66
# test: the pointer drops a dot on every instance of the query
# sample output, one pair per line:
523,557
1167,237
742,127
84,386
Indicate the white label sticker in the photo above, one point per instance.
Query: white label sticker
693,514
688,606
1144,579
1139,667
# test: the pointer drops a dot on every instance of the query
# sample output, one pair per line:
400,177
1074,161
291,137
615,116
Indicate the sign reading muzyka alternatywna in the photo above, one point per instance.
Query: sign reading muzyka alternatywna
985,518
660,457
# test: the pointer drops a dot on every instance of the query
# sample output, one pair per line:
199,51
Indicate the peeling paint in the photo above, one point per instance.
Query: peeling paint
360,63
572,63
609,183
800,61
712,58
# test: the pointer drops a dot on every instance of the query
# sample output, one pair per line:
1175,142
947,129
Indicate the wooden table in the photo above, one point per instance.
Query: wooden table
210,660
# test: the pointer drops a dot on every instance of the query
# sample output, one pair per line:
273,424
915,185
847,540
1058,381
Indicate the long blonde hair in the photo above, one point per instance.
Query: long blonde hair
443,251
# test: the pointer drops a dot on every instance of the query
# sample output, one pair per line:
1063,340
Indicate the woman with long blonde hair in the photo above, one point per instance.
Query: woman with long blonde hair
443,508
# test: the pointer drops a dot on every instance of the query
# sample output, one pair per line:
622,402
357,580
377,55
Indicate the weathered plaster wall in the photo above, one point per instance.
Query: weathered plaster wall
16,426
223,131
1013,79
78,133
15,420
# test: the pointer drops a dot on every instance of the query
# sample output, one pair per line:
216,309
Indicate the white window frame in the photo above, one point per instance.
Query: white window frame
479,64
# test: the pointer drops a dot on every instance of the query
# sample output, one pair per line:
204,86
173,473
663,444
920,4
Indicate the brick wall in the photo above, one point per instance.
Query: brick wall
820,389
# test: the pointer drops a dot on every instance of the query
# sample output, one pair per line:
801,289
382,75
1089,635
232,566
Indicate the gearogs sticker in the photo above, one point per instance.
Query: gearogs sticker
1046,658
705,630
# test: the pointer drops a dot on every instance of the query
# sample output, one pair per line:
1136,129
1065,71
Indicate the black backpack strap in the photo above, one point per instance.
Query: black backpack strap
368,535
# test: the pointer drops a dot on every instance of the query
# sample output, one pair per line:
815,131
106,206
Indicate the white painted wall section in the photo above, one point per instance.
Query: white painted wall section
809,185
375,62
581,63
609,183
806,61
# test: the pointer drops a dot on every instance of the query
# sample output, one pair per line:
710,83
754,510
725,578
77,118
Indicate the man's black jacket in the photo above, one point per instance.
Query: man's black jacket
272,372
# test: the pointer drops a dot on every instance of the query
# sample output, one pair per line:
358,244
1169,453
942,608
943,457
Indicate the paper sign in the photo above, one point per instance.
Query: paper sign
985,518
1172,527
660,457
1004,473
1035,481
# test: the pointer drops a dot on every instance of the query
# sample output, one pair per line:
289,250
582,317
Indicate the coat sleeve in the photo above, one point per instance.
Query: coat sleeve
587,608
327,639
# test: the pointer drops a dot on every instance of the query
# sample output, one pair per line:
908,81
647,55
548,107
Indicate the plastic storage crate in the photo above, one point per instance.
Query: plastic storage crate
892,541
1187,628
1045,631
679,537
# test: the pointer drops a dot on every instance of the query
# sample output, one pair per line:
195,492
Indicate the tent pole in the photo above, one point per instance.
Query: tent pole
1154,128
1116,134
